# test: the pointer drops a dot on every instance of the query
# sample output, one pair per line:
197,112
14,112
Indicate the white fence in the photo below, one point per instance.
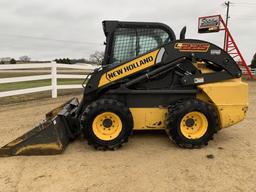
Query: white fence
253,71
244,71
53,76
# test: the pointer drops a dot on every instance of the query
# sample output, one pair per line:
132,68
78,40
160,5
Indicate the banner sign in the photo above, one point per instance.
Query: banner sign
209,24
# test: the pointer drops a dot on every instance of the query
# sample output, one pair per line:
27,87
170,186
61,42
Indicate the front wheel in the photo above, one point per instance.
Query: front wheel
192,123
107,124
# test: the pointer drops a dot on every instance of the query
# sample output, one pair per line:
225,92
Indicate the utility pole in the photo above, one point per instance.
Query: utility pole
227,17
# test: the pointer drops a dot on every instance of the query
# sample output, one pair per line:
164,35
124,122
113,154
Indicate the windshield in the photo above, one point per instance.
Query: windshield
129,43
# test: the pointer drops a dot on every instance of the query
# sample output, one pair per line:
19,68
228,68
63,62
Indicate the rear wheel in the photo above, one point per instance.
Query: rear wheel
192,123
107,124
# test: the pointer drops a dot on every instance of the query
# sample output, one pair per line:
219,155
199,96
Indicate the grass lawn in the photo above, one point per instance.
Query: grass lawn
25,73
39,83
38,96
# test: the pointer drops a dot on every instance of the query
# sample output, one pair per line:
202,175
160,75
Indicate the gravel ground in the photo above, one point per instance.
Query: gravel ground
149,162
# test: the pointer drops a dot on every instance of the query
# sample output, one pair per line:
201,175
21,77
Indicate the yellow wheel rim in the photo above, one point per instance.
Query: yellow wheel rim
107,126
194,125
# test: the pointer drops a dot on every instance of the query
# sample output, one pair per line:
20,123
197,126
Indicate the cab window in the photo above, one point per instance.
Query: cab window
129,43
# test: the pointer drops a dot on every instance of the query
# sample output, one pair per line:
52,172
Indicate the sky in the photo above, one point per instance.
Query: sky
49,29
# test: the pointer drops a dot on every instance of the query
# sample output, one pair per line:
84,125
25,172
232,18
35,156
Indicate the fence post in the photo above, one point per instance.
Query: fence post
54,79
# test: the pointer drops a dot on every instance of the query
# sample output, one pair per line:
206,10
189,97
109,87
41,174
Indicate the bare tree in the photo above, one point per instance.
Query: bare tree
97,57
25,58
5,60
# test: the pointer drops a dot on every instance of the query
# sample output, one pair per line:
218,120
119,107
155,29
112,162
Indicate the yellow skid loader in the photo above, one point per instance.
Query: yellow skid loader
148,80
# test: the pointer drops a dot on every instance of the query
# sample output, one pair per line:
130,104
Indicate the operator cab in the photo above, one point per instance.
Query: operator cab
127,40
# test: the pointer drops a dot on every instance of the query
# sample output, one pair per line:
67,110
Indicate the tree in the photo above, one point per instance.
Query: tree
97,57
67,61
5,60
253,63
25,58
12,61
74,61
64,60
58,60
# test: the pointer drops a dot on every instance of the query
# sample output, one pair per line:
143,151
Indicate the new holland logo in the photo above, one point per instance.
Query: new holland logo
111,75
129,68
192,47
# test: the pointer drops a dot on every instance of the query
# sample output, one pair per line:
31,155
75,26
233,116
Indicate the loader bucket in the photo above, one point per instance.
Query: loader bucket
50,137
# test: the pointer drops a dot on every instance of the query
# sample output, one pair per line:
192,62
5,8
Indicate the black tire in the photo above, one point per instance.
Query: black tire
106,105
179,110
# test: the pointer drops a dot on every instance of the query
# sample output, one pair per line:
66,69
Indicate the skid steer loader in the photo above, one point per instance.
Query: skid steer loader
148,80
